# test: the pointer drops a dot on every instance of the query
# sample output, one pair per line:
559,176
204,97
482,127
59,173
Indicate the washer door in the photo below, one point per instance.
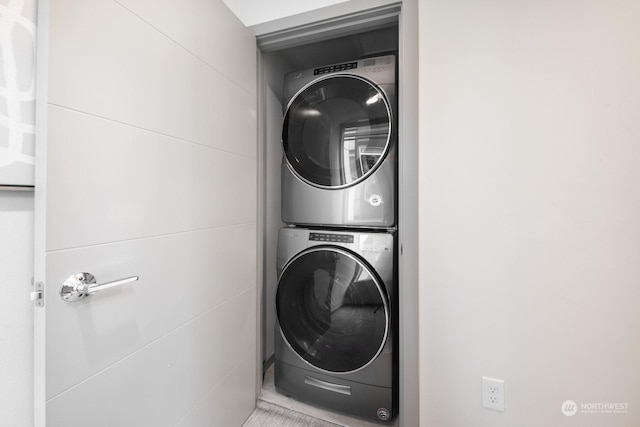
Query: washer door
336,131
332,309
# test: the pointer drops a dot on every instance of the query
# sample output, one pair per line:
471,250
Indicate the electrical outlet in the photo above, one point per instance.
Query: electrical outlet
493,394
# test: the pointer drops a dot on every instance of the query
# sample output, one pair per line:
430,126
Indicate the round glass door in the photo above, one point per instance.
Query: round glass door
332,310
336,131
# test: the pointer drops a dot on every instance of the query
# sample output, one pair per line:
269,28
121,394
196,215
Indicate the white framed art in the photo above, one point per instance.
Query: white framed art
17,92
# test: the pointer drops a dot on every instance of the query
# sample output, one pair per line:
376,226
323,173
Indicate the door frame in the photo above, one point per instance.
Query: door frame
280,33
39,217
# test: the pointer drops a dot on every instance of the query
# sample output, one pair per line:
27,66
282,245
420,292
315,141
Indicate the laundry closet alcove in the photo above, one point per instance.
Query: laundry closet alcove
295,44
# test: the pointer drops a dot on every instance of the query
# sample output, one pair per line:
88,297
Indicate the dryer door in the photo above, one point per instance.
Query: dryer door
332,309
337,131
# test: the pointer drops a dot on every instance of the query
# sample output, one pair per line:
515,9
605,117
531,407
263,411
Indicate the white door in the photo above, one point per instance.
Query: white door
147,166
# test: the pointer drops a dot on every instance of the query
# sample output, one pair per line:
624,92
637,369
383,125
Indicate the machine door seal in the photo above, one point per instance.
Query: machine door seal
337,131
332,310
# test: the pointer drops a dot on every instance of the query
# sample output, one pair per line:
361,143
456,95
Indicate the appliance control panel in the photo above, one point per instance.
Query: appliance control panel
377,65
334,68
330,237
375,243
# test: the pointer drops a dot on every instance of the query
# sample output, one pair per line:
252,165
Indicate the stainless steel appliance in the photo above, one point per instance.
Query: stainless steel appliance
339,142
336,320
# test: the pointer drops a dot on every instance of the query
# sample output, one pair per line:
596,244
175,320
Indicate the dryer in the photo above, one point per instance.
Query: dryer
339,145
336,320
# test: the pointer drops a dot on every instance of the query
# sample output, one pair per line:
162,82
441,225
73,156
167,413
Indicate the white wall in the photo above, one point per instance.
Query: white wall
16,318
529,209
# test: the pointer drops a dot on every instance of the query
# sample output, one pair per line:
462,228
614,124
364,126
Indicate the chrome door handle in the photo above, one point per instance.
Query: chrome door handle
81,285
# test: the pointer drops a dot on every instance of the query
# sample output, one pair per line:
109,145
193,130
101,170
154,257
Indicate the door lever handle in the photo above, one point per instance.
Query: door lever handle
81,285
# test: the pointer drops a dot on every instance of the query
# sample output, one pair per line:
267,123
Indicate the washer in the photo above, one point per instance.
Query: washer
336,320
339,145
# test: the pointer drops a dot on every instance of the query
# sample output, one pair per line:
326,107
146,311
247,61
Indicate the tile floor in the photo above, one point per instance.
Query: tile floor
269,415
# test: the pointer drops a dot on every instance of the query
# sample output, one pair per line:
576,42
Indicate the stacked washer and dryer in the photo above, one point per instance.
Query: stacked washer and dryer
336,307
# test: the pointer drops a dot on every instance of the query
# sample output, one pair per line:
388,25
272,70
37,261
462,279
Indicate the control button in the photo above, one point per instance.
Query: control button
383,414
334,68
327,237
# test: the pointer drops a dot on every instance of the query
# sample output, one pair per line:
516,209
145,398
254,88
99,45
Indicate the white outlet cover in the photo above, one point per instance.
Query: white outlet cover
493,394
